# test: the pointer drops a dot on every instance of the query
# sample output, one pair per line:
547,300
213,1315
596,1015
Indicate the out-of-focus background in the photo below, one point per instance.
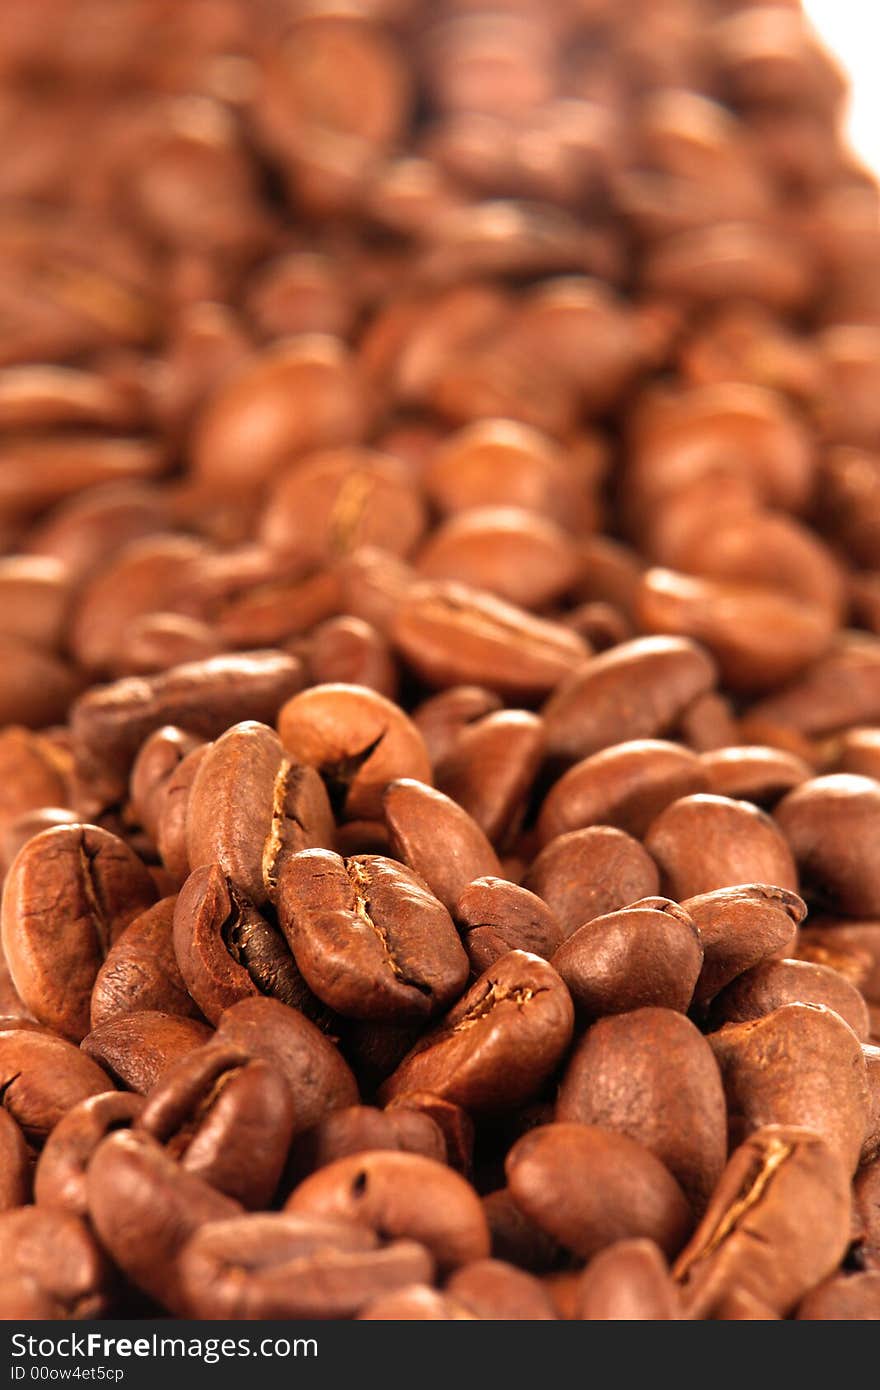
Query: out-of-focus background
851,29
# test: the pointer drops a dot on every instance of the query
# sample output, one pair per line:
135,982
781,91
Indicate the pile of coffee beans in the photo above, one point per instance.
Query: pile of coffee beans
439,663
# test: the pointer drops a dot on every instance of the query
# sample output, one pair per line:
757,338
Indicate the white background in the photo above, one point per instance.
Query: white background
851,29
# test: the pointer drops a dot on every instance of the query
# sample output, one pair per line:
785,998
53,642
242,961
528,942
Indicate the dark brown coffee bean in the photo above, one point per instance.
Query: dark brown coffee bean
437,839
845,1298
318,1077
778,1223
830,824
202,697
60,1175
141,972
516,1239
740,927
442,719
588,1188
284,1265
15,1168
42,1077
57,1254
361,1129
490,770
496,916
850,948
773,983
706,842
401,1196
453,1122
157,759
626,786
637,690
137,1049
225,1117
586,873
628,1282
369,937
499,1292
145,1207
499,1043
288,810
69,895
226,950
818,1077
357,740
651,1075
649,953
453,635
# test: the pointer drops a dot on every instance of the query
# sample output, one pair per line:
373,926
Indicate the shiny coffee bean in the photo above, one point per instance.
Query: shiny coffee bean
60,1175
587,873
140,971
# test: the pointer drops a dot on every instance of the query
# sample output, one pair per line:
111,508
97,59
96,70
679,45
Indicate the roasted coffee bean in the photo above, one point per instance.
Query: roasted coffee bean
588,1187
15,1175
416,1303
56,1254
858,752
762,775
649,953
830,824
145,1207
818,1076
498,1045
773,983
437,839
369,937
16,833
510,552
739,927
226,950
137,1049
401,1196
453,1122
288,810
60,1175
637,690
140,971
500,1292
651,1075
516,1239
754,1236
442,719
586,873
348,651
866,1215
286,1265
173,811
157,759
32,774
850,948
454,635
363,1128
202,697
628,1282
706,842
318,1078
225,1117
357,740
627,786
490,769
845,1298
42,1077
496,916
69,895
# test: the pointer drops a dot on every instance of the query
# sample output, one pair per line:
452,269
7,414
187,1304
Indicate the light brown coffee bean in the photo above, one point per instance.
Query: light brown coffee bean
436,837
830,824
141,972
740,927
628,1282
137,1049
